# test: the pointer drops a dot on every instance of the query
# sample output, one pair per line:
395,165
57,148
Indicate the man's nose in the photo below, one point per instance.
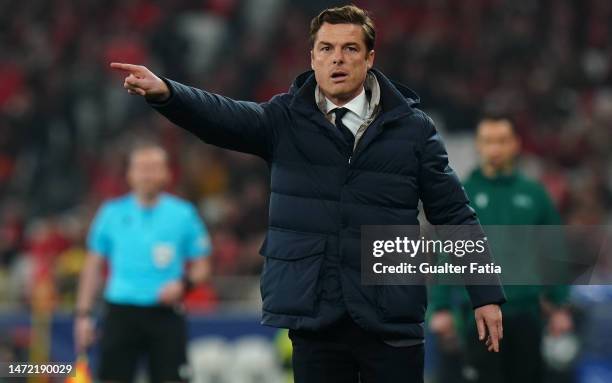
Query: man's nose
338,57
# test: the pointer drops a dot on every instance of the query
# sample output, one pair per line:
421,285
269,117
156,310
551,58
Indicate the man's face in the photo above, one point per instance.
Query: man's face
340,60
148,171
497,144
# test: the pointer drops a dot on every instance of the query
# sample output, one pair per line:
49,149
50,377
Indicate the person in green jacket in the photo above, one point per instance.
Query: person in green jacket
502,195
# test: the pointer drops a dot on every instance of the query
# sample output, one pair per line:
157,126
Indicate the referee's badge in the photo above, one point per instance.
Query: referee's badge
163,254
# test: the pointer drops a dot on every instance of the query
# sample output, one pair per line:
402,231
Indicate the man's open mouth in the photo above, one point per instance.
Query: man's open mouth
339,76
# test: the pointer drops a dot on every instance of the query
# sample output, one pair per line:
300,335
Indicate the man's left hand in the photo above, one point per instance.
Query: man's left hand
172,292
489,324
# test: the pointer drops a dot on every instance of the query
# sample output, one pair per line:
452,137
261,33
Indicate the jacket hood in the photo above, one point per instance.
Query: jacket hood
392,92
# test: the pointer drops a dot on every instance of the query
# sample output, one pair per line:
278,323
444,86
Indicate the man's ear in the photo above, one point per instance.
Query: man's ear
518,145
370,59
311,60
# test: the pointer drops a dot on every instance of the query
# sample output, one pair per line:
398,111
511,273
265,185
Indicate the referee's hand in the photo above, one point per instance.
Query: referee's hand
172,293
84,333
141,81
442,324
489,324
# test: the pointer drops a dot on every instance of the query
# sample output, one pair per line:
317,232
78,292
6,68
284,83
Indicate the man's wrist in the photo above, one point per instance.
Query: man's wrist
160,98
487,304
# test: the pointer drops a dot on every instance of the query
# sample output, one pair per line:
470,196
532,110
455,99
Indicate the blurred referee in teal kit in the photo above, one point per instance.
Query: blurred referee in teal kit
147,237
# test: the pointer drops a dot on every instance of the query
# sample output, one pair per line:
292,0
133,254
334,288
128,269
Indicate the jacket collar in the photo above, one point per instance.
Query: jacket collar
395,99
365,108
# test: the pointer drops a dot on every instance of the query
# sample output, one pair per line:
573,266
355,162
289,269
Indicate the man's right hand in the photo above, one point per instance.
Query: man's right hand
141,81
84,333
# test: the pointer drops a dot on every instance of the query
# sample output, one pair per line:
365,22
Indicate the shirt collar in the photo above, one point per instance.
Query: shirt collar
134,200
362,105
358,105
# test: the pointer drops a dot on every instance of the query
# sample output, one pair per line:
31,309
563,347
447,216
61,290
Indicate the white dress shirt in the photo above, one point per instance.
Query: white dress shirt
362,109
357,114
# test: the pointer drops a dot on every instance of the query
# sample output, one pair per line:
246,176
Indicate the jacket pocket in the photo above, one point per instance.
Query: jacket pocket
399,303
290,277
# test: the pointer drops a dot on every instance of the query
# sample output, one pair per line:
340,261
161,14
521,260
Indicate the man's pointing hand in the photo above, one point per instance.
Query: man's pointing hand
141,81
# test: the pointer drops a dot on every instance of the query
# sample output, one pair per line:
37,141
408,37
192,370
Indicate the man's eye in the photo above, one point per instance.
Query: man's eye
325,48
352,49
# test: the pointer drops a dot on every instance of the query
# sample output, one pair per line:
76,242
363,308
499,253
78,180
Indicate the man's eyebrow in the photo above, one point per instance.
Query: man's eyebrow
345,44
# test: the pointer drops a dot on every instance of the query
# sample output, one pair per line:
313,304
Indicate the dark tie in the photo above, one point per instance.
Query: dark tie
349,137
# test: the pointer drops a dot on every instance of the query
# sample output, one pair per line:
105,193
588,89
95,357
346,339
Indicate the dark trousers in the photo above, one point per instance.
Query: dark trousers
345,353
131,332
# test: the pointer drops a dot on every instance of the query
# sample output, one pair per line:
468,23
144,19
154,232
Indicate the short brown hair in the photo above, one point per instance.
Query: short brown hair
498,116
348,14
142,144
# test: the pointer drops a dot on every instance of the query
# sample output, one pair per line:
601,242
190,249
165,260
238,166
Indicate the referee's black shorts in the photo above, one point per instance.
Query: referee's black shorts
156,333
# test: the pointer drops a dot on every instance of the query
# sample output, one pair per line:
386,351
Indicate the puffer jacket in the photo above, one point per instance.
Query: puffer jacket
322,192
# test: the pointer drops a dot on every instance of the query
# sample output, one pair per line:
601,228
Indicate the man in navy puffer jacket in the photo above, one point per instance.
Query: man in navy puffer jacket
346,147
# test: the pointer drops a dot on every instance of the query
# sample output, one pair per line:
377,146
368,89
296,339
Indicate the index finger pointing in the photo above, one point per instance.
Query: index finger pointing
126,67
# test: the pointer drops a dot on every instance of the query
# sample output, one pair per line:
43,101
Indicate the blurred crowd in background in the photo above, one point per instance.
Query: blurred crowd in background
66,122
